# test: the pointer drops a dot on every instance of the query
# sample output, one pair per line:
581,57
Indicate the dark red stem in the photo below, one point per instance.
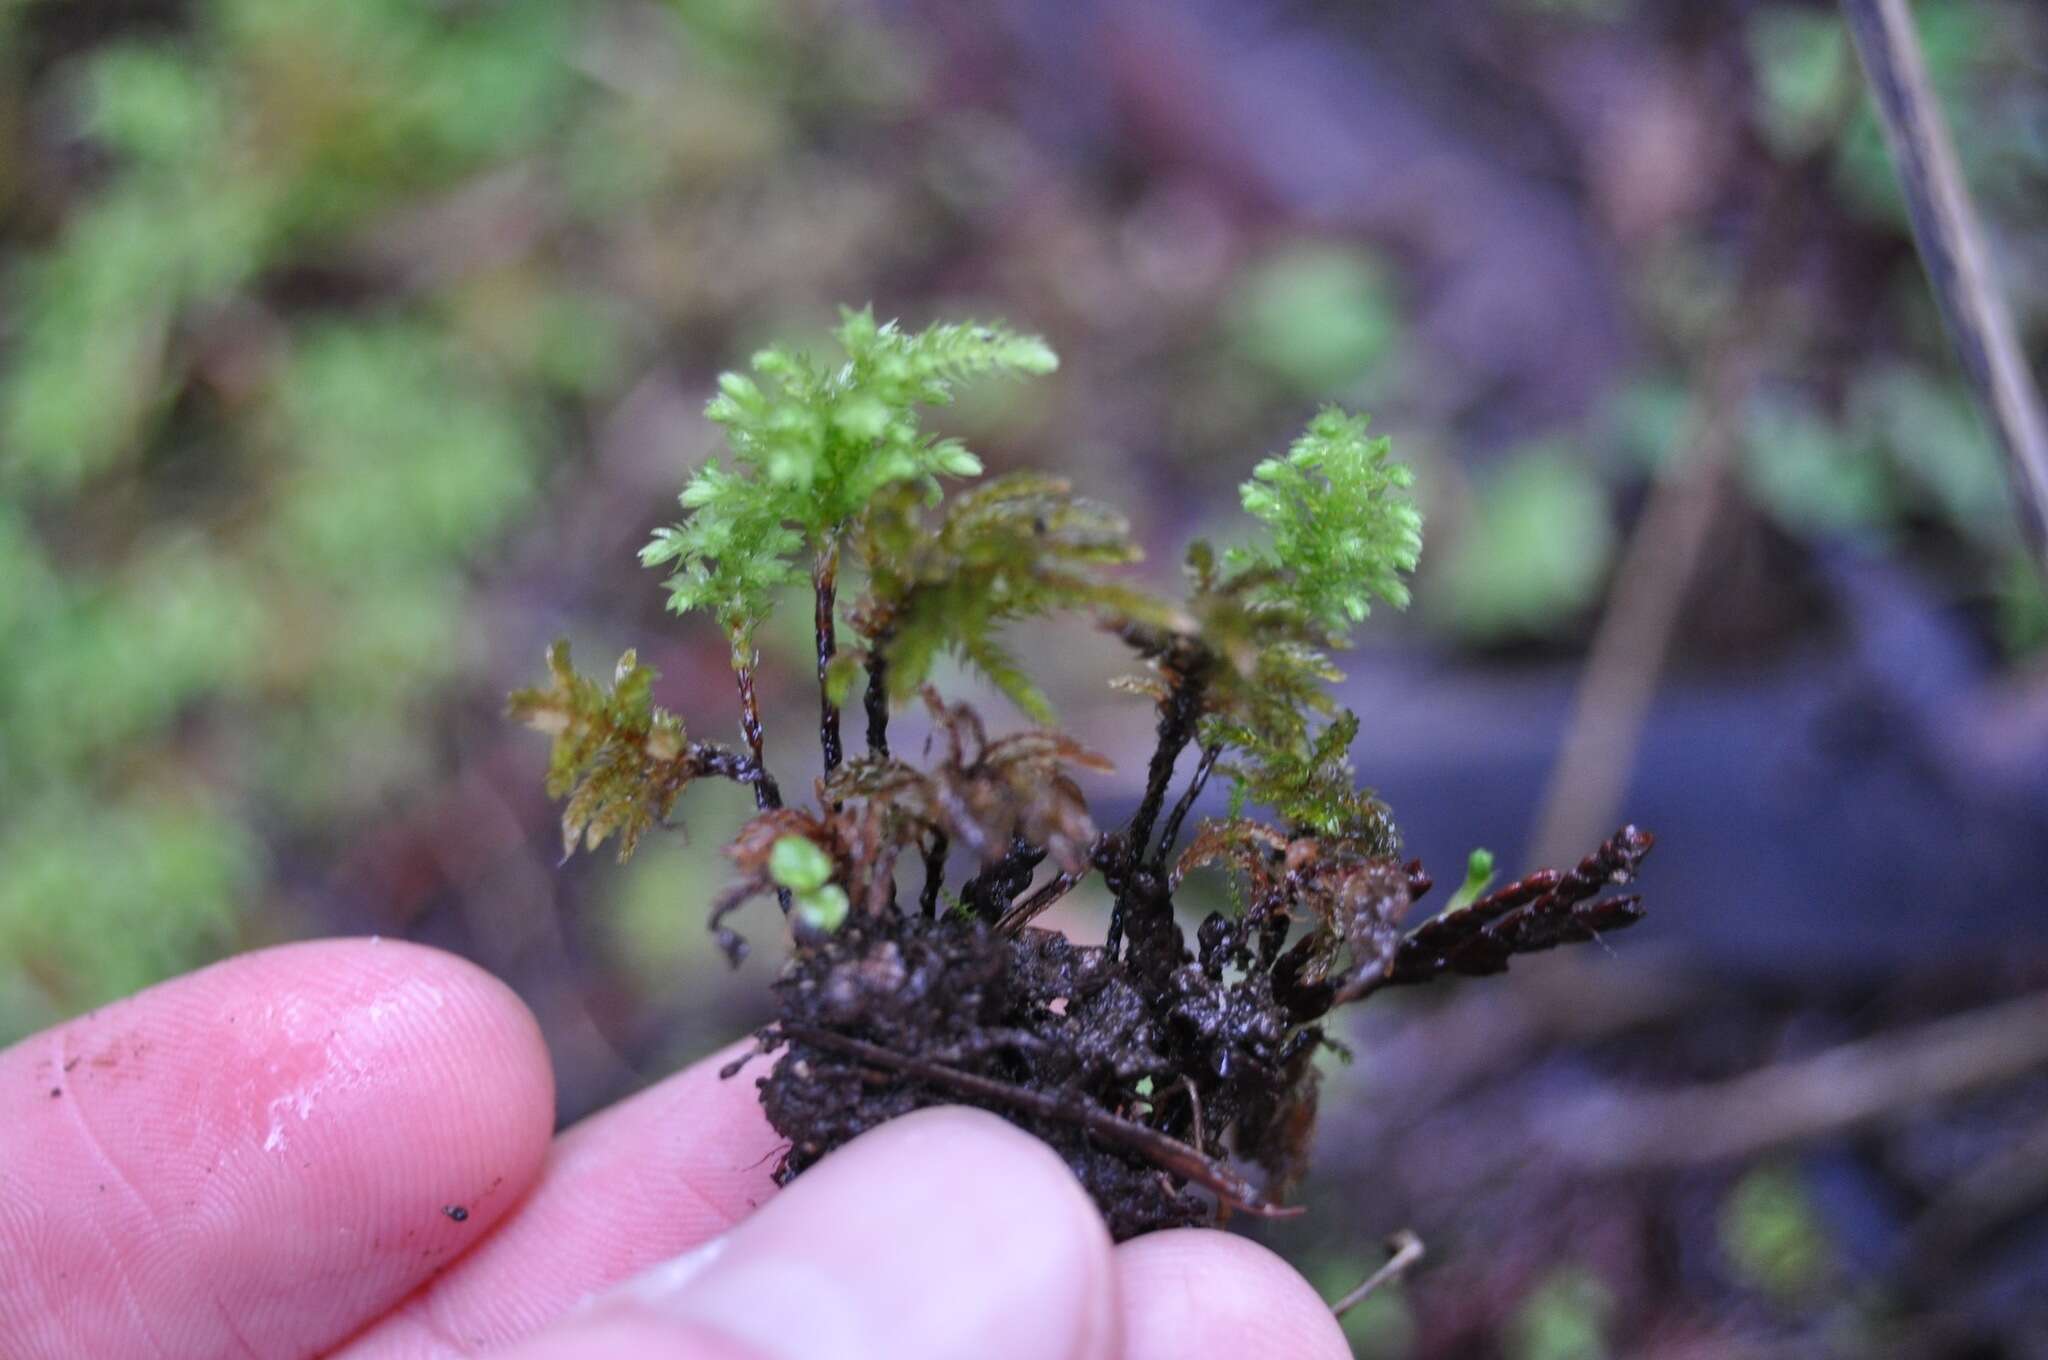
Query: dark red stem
824,574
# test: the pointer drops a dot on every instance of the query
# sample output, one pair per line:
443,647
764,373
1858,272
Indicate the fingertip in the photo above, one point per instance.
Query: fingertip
1196,1293
943,1233
292,1138
391,1072
657,1174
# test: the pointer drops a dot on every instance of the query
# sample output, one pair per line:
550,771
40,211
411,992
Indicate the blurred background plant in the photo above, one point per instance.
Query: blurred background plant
348,352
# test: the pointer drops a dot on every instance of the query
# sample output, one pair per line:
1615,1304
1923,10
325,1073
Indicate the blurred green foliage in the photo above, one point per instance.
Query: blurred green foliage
1382,1325
1772,1234
1532,552
1565,1317
1318,317
305,304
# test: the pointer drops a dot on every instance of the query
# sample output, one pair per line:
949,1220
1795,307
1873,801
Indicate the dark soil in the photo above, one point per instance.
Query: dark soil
1154,1071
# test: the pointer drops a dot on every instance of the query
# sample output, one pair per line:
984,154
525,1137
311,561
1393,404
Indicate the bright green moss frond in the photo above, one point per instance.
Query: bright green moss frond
814,445
923,369
1342,532
1343,528
618,759
732,553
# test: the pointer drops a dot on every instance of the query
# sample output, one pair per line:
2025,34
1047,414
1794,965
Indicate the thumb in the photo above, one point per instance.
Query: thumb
945,1233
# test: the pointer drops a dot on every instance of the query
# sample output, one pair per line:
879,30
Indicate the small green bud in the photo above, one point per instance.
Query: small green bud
799,865
822,908
1478,877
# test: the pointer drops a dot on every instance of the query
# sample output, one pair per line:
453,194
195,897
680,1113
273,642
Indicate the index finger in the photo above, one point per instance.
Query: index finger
259,1157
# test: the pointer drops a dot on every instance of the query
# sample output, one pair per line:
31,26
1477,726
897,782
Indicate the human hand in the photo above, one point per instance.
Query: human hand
344,1149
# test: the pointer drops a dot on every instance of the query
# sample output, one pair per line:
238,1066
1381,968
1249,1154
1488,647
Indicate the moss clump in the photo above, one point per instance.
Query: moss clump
1173,1076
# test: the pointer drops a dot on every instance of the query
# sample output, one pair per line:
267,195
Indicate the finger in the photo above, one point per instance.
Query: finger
1196,1294
256,1158
646,1179
943,1234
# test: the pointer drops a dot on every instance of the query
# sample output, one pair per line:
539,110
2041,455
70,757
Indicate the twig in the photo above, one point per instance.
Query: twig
1026,910
1407,1249
1665,549
1951,243
1814,1097
767,793
1187,1084
709,758
1167,1153
1528,916
1990,1196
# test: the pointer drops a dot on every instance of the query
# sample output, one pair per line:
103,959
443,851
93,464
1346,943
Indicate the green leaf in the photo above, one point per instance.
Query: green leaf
1773,1234
1342,531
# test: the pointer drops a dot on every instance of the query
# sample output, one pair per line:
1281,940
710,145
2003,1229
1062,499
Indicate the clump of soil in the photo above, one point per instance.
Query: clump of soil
1168,1078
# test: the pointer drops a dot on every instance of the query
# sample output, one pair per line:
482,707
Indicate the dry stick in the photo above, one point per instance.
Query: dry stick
1794,1102
1194,1109
1951,243
1635,633
1627,656
1628,651
1987,1197
1167,1153
1407,1249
